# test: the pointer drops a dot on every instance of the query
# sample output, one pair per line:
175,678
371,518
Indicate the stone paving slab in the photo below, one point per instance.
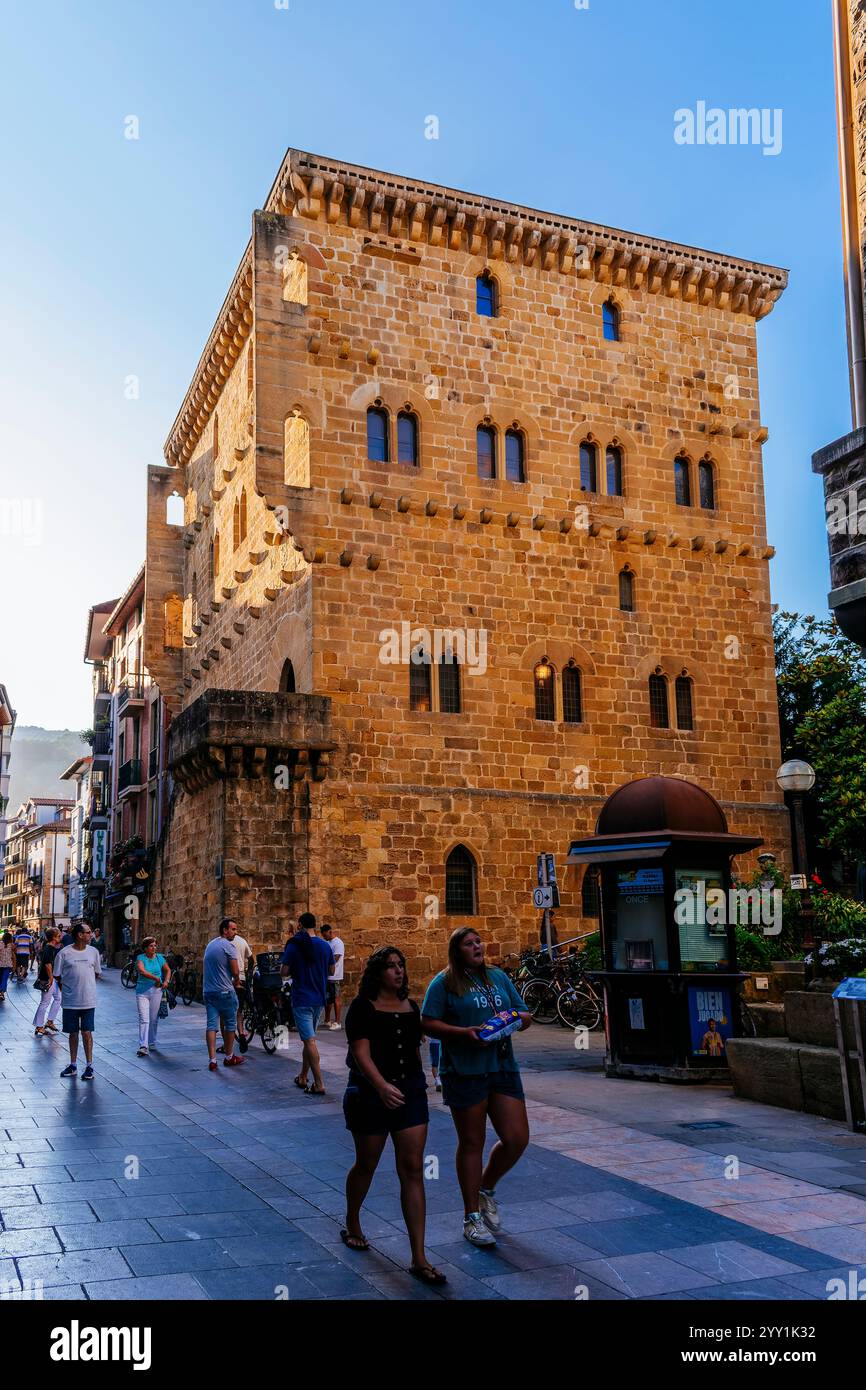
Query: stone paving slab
239,1186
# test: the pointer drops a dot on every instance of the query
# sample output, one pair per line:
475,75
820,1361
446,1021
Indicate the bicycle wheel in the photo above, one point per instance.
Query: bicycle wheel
269,1033
250,1021
187,994
577,1009
127,975
540,999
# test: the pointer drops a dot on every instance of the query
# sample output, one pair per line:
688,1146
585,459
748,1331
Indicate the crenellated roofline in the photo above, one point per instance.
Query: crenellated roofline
389,205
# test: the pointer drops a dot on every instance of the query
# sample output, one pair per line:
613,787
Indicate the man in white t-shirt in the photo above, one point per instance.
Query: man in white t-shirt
245,965
76,969
335,983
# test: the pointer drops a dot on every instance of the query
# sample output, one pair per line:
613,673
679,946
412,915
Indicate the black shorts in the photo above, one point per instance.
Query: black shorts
365,1113
461,1092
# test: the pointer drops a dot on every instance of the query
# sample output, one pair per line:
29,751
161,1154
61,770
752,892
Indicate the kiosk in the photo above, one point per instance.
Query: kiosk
670,972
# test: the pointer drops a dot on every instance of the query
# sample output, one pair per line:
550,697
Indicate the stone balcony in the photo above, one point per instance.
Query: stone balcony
252,733
842,465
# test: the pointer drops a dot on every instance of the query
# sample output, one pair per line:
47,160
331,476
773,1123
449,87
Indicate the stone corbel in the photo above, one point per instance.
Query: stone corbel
549,248
673,279
320,767
357,199
336,193
375,210
258,760
455,231
513,238
621,262
689,283
397,217
637,271
417,218
741,295
437,226
658,269
723,291
721,545
302,764
496,240
567,247
531,243
477,226
235,761
603,263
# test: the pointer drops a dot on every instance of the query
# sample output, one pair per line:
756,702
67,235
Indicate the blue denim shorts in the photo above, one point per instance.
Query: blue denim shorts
307,1021
222,1010
462,1092
78,1020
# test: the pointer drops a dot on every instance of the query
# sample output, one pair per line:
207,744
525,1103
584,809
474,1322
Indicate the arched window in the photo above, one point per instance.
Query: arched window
420,691
174,510
296,451
706,485
377,434
658,697
295,280
613,460
572,701
682,482
486,295
590,896
485,445
626,590
683,694
588,467
610,321
173,622
287,678
449,684
407,437
461,886
514,456
545,690
239,520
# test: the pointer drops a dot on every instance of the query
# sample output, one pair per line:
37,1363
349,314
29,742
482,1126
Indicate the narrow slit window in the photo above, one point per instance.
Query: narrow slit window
449,684
613,459
486,296
610,321
685,711
461,883
407,437
572,698
682,482
707,486
377,435
626,590
658,696
485,445
588,467
420,691
544,678
514,456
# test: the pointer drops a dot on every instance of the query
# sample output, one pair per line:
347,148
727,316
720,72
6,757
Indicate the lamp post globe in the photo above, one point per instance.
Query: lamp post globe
796,776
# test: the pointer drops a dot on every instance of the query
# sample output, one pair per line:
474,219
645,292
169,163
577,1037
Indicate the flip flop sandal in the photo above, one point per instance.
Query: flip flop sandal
428,1274
311,1091
359,1243
301,1085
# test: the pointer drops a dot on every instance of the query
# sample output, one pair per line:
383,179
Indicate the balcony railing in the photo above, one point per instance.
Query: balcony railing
129,775
102,743
131,689
101,684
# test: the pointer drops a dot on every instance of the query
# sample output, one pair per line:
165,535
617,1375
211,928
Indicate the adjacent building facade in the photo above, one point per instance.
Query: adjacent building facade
472,533
7,728
38,865
842,464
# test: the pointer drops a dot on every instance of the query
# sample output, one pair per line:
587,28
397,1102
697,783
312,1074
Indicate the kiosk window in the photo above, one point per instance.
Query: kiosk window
701,914
639,928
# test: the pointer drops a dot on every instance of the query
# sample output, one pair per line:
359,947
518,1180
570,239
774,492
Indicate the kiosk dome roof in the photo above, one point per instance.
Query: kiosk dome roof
661,803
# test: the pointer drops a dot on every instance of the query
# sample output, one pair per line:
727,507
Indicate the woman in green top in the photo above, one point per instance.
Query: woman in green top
478,1079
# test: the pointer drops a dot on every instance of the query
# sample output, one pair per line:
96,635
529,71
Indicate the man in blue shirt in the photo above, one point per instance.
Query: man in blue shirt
310,962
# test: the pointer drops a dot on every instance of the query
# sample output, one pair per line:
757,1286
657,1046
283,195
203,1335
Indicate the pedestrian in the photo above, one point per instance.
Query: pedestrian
152,976
218,992
7,961
435,1058
386,1096
77,969
335,982
99,944
310,962
49,1005
23,941
245,961
480,1080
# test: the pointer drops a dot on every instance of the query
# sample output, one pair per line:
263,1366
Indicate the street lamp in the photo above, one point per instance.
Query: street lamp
796,778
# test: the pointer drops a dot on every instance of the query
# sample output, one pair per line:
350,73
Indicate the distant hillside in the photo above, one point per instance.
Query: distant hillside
38,758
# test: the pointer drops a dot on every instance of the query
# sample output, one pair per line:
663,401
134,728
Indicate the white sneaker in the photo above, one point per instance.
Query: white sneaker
335,1027
475,1230
490,1211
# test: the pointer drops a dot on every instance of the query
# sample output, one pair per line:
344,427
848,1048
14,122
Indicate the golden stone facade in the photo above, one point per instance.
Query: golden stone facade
358,293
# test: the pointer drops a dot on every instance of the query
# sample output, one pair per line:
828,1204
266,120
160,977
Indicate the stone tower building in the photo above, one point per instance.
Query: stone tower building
473,532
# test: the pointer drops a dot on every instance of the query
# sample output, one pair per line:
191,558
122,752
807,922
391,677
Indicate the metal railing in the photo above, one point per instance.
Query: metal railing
129,774
102,743
132,688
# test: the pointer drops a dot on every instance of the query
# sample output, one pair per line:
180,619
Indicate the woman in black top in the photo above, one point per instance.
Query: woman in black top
387,1094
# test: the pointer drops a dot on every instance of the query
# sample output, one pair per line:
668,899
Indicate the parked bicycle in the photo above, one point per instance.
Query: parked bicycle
184,980
267,1008
566,996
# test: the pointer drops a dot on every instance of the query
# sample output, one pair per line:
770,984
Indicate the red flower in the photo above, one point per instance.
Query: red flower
816,879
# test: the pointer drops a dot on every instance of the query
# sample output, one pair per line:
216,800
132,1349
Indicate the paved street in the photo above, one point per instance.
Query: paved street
239,1194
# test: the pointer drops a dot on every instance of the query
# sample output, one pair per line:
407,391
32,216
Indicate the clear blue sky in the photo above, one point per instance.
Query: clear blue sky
117,253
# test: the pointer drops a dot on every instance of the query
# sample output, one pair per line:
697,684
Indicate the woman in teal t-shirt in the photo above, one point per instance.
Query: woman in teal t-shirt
151,977
478,1079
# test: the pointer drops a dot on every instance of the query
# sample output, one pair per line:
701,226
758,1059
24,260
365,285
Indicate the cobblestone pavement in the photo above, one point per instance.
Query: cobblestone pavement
626,1191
